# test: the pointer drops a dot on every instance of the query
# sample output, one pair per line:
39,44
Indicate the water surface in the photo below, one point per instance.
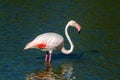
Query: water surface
96,54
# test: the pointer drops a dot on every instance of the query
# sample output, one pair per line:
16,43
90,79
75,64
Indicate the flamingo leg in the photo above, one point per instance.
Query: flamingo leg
46,57
50,57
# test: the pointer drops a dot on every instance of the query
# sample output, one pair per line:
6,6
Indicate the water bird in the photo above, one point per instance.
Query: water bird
51,41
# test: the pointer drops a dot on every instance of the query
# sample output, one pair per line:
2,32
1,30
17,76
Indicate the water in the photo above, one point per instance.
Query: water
96,54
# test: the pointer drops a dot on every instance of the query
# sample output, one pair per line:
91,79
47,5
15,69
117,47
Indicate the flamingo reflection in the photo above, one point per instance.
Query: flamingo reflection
64,73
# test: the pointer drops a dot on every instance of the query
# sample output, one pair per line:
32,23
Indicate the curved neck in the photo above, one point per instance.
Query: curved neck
69,40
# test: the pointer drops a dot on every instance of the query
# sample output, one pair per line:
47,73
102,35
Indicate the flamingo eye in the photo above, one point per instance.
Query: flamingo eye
72,23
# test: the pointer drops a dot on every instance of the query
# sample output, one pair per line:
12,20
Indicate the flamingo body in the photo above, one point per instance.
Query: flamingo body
47,42
51,41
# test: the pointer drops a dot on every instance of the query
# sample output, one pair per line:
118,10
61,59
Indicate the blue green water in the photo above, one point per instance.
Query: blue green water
96,54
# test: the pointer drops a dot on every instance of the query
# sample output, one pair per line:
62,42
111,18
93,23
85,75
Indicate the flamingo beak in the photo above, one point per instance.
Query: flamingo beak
79,32
77,26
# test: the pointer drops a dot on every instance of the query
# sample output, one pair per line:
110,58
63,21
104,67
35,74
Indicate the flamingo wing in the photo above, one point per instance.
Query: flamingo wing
48,41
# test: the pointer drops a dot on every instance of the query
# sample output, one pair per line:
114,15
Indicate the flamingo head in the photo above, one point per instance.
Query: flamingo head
75,24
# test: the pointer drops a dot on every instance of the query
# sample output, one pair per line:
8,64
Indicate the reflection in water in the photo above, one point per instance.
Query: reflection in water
65,73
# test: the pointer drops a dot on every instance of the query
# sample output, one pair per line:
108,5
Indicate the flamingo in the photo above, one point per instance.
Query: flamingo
51,41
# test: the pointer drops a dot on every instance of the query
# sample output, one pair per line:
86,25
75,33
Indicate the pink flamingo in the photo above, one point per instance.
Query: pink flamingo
51,41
